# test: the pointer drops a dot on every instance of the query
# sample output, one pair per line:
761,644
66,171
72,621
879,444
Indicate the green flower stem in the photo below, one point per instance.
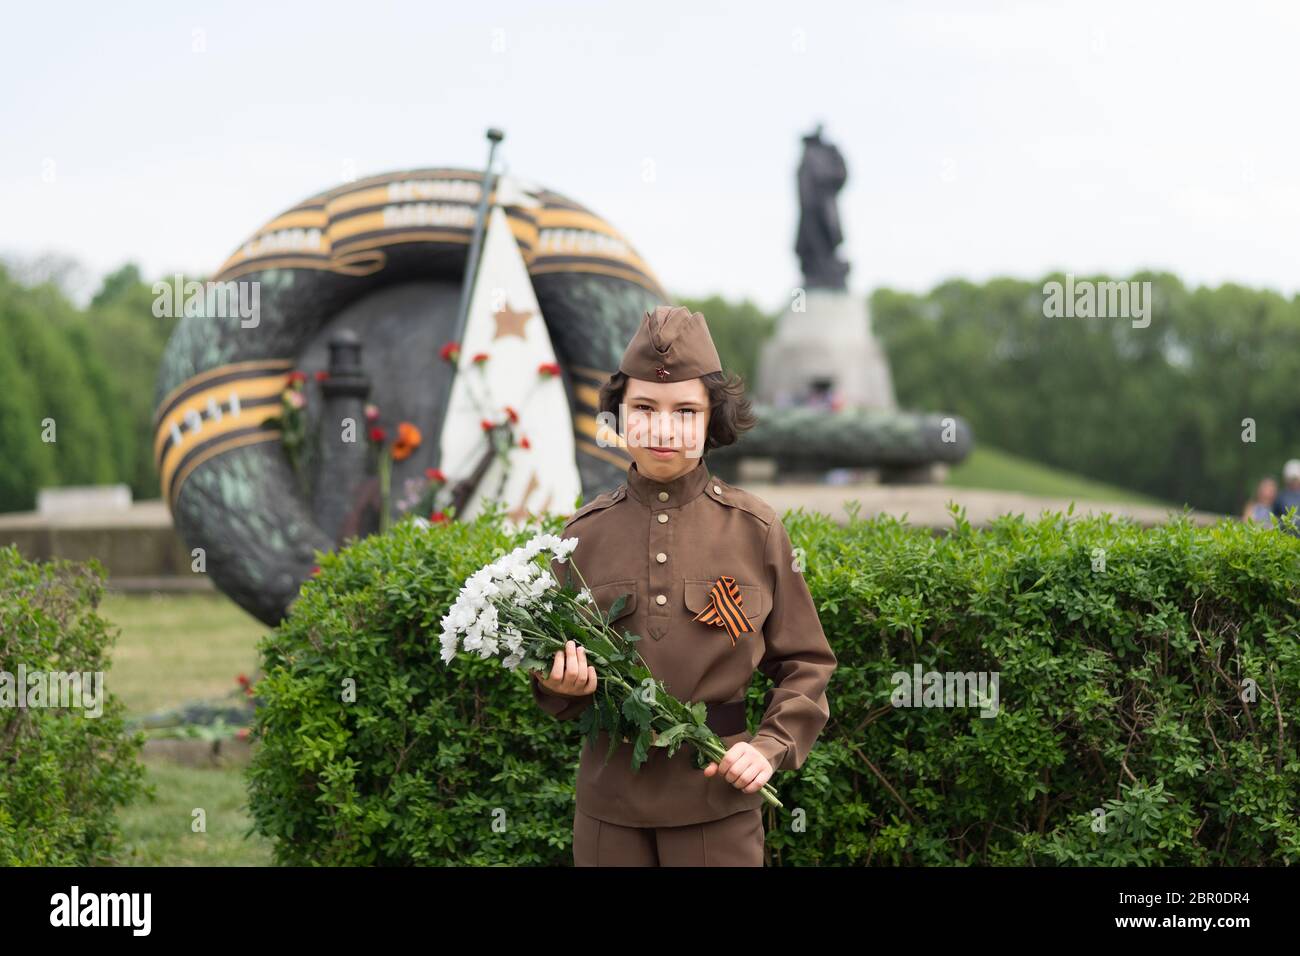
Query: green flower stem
707,742
385,491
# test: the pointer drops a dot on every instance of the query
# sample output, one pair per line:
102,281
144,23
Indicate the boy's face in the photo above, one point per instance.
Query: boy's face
667,423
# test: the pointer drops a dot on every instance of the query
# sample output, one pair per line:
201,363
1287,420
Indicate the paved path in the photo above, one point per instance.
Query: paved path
926,505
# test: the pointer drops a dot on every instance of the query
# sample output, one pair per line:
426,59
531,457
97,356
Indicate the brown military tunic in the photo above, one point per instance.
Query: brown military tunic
665,544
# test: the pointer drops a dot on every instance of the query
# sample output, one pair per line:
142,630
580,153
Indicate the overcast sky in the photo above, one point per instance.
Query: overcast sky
982,139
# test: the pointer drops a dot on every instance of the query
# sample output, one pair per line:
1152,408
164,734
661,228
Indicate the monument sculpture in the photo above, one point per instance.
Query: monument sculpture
359,289
821,176
329,415
824,354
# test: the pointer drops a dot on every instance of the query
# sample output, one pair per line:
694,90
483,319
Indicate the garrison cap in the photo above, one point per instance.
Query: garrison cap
672,345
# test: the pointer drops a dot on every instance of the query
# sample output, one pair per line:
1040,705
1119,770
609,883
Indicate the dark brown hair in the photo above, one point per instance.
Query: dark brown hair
730,413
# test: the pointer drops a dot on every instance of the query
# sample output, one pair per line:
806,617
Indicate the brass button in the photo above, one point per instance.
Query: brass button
663,496
661,599
717,490
662,517
661,557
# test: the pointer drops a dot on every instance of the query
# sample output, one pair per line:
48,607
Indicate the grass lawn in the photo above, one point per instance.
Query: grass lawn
995,470
174,648
160,832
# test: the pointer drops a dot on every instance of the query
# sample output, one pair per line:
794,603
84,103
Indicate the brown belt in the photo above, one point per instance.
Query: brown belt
727,718
724,719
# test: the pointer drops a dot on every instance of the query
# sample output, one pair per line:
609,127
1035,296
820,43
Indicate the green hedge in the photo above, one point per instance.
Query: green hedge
63,773
1121,735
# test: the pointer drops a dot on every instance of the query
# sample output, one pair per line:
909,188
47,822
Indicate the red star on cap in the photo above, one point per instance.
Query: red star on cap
661,372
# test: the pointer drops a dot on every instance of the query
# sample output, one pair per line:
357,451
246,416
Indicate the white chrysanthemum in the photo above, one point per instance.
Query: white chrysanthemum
461,616
585,596
543,584
563,548
488,647
504,564
513,639
537,544
480,586
523,573
473,637
516,580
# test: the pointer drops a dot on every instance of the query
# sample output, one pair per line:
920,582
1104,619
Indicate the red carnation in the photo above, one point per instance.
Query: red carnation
479,358
243,680
547,369
438,516
297,378
514,415
321,375
435,474
525,443
487,425
450,351
378,435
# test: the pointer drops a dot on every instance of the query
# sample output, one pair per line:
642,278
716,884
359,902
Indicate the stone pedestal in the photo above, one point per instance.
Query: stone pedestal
826,356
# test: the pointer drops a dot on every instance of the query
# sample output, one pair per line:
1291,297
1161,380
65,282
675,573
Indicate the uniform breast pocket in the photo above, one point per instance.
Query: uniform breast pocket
609,592
754,600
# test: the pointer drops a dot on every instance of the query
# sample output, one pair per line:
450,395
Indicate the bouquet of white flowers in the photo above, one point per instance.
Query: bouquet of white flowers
515,608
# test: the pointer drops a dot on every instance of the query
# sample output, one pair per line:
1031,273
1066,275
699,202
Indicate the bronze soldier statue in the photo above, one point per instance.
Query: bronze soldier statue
822,175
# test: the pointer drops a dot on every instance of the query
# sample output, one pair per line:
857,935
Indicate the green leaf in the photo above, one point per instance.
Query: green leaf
616,608
670,736
636,711
640,748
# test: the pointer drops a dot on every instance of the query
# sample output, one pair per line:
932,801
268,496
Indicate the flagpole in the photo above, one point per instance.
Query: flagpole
494,136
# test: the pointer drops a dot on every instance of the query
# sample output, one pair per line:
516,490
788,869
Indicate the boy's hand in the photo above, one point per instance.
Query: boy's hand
571,675
744,767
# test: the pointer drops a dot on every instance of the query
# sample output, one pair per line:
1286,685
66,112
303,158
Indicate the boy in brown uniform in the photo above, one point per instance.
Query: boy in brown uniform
714,595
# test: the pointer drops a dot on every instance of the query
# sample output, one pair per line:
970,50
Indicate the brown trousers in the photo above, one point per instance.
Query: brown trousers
735,840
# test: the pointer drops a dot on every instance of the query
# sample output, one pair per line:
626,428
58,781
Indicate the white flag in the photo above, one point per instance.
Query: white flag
505,324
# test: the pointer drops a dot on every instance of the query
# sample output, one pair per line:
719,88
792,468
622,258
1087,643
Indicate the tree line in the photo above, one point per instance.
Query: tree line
83,377
1194,405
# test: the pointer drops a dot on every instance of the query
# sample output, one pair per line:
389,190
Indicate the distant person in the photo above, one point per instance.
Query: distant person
819,395
1260,507
1289,497
823,394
